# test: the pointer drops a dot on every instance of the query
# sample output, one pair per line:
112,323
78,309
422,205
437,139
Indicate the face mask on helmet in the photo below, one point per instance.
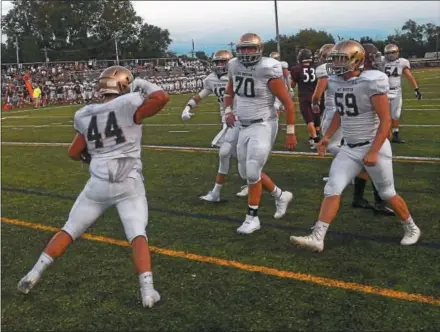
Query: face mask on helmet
220,66
339,64
392,56
249,55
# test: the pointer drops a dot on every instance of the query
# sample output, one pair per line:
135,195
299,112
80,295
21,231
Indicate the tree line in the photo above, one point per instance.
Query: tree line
67,30
414,40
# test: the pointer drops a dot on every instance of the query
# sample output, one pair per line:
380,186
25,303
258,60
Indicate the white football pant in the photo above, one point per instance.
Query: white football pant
396,107
228,148
349,163
335,141
253,148
98,195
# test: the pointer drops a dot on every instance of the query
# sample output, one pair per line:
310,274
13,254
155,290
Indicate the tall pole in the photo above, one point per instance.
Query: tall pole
436,43
16,51
277,30
45,54
117,52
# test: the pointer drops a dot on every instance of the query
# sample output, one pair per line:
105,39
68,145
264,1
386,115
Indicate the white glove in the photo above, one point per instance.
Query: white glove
291,93
186,114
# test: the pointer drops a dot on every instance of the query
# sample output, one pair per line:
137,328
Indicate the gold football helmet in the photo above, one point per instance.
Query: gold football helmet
275,55
324,51
245,54
391,52
220,61
115,80
346,56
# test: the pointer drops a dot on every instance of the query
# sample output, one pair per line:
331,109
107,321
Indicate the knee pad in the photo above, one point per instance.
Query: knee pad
224,158
253,171
385,191
332,189
396,108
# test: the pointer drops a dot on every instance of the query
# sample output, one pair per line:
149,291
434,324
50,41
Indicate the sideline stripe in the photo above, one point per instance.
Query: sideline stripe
333,283
314,155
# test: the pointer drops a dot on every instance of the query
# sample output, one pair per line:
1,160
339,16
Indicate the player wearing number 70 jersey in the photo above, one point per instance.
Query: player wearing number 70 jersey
226,139
110,134
254,82
363,115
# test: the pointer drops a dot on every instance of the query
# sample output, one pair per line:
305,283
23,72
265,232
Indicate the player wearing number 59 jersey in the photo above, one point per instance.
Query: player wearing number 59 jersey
394,67
304,75
111,134
226,139
363,115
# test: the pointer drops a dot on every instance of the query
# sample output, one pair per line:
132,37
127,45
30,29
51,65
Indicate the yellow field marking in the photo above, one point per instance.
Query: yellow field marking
333,283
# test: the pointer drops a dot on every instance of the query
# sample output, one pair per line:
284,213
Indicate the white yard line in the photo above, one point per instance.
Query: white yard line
198,149
189,125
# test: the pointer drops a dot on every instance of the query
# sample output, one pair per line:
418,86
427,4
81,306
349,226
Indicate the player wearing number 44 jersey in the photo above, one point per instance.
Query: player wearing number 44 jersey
254,82
109,137
364,117
394,67
226,139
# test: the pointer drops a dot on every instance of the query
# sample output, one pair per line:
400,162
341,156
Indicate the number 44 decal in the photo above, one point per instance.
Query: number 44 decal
111,130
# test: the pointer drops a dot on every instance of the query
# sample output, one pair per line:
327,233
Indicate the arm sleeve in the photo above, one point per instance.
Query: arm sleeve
147,87
204,93
272,71
321,71
78,124
406,64
378,86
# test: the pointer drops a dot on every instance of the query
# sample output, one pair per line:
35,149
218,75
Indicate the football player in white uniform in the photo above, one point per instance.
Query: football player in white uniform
254,82
287,79
226,139
109,138
329,99
394,67
363,114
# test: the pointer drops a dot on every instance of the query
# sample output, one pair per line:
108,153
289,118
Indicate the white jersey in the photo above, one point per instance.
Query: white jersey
284,65
359,121
253,98
329,98
394,70
113,138
217,85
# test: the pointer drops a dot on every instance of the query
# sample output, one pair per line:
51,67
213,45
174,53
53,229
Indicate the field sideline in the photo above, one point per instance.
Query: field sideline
209,277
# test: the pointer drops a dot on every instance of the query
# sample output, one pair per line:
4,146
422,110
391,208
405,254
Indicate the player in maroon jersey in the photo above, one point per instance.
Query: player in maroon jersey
304,75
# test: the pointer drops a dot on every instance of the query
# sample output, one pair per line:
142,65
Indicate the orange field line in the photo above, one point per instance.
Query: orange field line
352,286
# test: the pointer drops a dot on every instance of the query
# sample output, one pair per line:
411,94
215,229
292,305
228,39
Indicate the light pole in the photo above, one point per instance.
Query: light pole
277,30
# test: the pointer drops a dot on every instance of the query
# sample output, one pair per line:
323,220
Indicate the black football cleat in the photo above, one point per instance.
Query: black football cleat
362,203
382,209
397,139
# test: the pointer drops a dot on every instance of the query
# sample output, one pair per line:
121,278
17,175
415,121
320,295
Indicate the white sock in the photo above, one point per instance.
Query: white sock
146,280
395,130
408,221
43,263
217,189
323,227
276,193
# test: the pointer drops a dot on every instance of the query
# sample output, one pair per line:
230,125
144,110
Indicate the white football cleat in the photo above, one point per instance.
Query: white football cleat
150,296
250,225
309,241
243,192
210,197
282,203
412,234
312,144
28,282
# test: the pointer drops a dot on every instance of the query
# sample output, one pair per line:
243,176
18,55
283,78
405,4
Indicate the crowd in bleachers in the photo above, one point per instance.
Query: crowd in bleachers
76,82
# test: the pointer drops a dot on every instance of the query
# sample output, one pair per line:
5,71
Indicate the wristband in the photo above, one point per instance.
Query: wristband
191,103
227,95
228,110
290,129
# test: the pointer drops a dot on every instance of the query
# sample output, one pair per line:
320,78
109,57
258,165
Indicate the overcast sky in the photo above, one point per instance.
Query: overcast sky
212,24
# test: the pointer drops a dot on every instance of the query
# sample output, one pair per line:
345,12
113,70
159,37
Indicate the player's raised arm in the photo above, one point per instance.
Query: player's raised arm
155,99
408,74
279,90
